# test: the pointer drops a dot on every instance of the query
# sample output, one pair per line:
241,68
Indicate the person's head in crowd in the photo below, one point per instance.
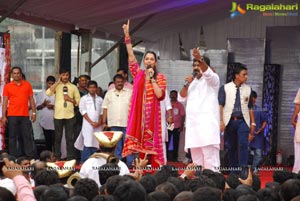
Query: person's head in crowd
207,193
87,188
77,198
112,183
243,189
123,72
6,195
173,95
24,162
248,197
16,73
158,196
165,172
107,170
82,82
104,198
184,196
62,186
232,180
290,189
148,181
99,92
208,172
39,190
64,75
50,80
275,186
267,194
54,193
177,182
47,156
254,96
240,74
256,183
92,87
46,177
130,190
201,181
229,195
168,188
217,177
118,82
129,177
37,166
281,176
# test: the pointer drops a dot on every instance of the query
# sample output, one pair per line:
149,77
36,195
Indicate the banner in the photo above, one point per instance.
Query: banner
5,61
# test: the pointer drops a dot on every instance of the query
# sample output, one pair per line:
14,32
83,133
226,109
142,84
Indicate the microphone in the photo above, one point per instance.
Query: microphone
65,91
187,82
150,73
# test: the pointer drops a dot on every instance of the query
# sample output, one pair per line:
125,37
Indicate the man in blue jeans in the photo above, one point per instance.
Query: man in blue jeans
115,112
237,117
257,144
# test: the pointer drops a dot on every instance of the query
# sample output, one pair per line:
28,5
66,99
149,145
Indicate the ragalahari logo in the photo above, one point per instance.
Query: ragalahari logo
236,10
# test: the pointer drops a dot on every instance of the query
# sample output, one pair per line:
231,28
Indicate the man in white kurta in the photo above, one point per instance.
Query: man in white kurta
90,107
296,125
202,114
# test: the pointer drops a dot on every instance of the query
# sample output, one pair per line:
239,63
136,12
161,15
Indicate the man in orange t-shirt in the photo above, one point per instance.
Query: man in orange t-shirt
15,112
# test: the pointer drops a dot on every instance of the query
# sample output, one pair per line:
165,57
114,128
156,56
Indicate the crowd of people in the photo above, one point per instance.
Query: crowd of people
107,178
137,125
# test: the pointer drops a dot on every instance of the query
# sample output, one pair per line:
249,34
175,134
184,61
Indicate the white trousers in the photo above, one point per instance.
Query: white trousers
208,156
296,167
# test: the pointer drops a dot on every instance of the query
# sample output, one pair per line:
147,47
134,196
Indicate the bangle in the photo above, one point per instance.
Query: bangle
127,40
253,124
33,113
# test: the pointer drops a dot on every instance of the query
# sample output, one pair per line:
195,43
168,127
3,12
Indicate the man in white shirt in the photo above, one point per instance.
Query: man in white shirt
107,142
202,113
91,110
45,104
115,112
